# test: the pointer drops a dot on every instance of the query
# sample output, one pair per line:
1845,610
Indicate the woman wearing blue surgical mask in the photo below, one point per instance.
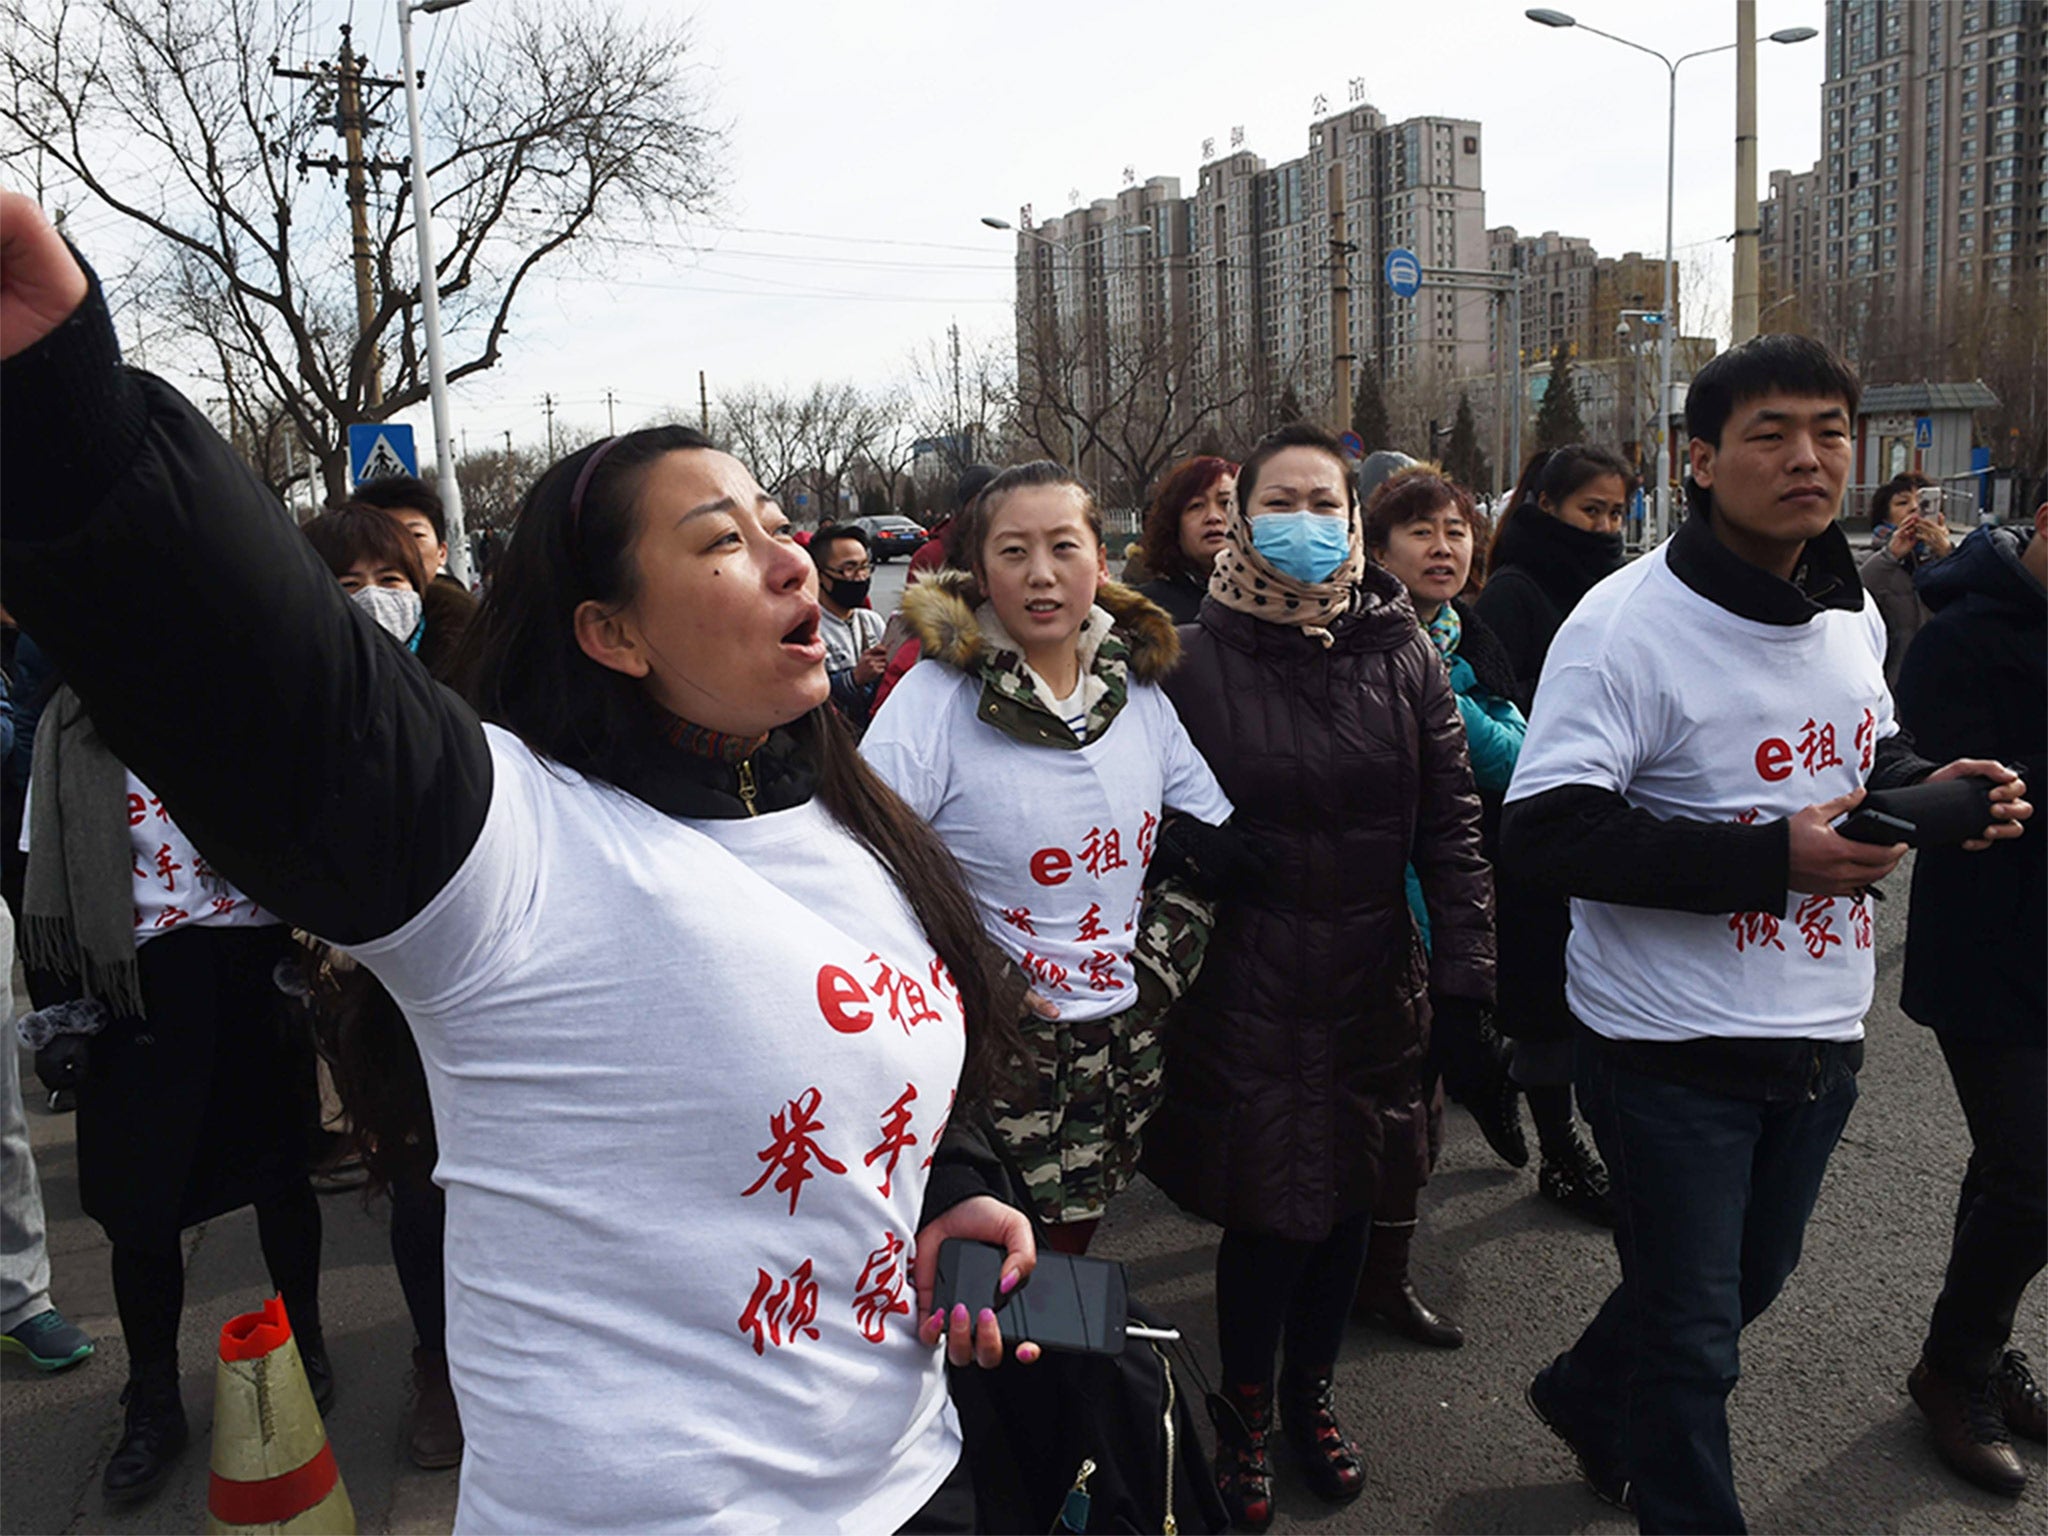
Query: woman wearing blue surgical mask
1293,1094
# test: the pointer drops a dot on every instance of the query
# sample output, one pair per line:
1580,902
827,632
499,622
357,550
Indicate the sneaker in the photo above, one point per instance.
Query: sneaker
50,1342
2019,1397
1573,1177
1968,1428
1603,1473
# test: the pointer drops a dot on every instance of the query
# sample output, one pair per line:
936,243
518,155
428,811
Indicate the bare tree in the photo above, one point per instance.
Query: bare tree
561,130
1122,403
805,448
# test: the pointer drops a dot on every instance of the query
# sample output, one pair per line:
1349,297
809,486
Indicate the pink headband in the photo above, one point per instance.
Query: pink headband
583,477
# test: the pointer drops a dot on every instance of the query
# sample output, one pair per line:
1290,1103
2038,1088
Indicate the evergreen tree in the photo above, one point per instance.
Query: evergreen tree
1463,460
1369,412
1557,419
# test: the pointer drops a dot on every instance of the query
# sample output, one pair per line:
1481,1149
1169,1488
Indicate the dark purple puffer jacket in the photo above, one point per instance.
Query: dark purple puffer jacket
1293,1067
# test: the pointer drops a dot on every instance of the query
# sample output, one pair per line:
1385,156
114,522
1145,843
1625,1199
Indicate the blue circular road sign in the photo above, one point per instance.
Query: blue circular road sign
1404,272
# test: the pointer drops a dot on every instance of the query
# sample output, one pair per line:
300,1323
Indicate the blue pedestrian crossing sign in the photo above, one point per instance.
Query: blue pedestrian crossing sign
1404,272
1923,431
377,450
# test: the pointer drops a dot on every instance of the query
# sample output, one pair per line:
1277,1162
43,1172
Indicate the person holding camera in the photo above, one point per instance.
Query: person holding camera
1918,539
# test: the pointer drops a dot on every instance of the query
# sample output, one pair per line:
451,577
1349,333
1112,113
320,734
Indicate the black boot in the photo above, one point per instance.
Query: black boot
1330,1460
319,1372
1496,1101
1574,1177
153,1435
1387,1296
1243,1416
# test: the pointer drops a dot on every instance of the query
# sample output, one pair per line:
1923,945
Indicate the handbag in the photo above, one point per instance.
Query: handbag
1082,1443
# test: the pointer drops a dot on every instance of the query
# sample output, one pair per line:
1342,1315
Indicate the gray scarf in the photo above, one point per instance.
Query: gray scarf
78,905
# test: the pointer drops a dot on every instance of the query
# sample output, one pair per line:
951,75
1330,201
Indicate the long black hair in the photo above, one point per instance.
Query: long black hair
525,671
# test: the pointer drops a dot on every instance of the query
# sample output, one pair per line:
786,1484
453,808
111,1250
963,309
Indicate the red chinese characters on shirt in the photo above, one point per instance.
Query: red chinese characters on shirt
781,1313
138,809
1049,974
1866,741
896,1135
1859,923
1816,921
878,1294
1102,851
167,867
1018,918
905,995
1755,930
940,1134
1091,927
1100,969
1148,839
170,917
794,1147
223,905
1817,747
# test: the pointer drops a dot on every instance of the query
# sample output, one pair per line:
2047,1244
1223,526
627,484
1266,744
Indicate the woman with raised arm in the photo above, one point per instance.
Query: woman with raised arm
688,982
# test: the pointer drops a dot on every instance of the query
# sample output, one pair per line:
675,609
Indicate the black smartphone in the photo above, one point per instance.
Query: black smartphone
1076,1304
1864,825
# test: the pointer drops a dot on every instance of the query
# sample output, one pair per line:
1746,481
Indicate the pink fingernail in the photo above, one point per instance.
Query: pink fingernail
960,1312
987,1315
1009,1282
1027,1353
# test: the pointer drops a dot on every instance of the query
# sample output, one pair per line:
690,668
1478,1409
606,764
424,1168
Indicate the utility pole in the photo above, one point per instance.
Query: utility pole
1342,358
703,405
547,405
611,421
1746,220
351,118
960,456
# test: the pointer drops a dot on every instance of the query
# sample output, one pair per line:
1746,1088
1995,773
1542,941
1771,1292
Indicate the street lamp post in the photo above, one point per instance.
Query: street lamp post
1549,18
430,295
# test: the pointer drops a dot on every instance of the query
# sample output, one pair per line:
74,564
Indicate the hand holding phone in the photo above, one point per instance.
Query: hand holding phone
1929,815
1069,1302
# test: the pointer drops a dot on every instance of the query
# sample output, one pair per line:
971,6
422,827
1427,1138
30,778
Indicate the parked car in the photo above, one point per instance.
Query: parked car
892,536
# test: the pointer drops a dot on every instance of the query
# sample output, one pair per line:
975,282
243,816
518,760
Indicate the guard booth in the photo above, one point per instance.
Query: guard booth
1928,428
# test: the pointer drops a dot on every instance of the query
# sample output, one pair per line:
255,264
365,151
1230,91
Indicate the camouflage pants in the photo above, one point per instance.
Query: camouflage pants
1077,1139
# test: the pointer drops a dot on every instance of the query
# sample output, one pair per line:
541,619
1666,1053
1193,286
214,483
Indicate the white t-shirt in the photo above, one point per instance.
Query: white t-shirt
1054,842
686,1078
1687,710
174,887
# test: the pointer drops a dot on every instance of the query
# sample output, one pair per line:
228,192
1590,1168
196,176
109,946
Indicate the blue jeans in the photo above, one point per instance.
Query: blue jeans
1711,1196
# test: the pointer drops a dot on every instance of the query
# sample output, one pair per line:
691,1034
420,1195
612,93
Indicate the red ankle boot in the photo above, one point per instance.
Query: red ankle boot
1243,1416
1329,1457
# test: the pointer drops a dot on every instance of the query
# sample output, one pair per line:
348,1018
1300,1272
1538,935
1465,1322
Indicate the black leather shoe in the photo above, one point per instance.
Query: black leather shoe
1969,1430
153,1436
1330,1460
319,1372
1496,1103
1399,1308
2019,1397
1602,1472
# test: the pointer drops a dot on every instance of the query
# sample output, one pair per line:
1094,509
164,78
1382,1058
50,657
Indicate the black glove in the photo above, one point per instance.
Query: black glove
1217,861
63,1062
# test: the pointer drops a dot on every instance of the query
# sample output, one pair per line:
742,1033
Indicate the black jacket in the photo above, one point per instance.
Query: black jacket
1975,684
1541,569
1180,595
315,764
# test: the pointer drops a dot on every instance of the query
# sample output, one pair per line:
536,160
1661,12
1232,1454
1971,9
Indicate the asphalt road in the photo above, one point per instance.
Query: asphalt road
1825,1438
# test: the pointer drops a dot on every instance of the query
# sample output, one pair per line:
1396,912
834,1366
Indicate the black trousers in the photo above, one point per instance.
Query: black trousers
1267,1286
2001,1231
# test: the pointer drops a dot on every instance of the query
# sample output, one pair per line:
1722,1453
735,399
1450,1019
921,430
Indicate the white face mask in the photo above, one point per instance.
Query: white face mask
396,610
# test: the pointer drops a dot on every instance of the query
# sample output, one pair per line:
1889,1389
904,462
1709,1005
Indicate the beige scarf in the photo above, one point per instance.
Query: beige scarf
1242,579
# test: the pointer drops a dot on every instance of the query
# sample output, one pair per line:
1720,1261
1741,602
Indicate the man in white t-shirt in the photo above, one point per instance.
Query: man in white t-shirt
1704,716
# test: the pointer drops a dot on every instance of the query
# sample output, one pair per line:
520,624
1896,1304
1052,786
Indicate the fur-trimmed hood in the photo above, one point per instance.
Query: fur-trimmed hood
947,613
1126,637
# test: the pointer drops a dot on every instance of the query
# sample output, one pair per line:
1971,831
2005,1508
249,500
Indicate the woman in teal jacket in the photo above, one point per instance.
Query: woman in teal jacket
1420,526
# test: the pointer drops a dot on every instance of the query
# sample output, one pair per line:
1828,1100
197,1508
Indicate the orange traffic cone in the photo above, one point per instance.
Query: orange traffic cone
272,1467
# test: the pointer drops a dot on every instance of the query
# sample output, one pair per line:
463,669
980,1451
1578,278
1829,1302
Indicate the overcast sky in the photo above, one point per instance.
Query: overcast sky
866,139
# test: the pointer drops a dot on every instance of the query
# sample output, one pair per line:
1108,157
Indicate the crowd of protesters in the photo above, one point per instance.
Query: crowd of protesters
557,905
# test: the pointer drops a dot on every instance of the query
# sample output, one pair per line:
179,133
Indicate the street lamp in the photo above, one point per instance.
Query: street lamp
430,295
1545,17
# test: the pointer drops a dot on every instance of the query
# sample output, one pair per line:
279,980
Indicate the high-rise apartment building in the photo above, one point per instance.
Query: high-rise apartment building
1266,278
1930,199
